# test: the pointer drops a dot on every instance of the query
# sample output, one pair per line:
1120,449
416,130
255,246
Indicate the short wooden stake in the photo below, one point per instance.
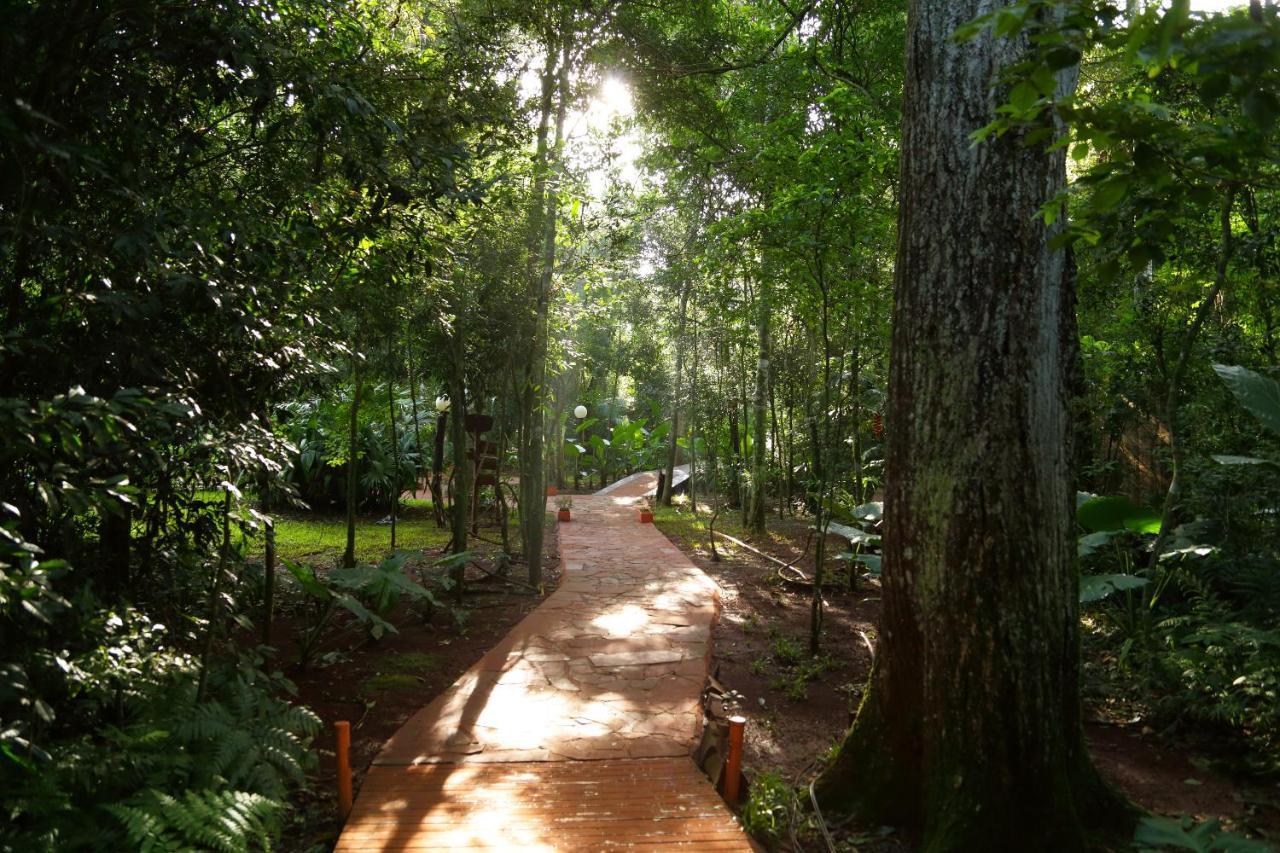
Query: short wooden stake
342,729
733,761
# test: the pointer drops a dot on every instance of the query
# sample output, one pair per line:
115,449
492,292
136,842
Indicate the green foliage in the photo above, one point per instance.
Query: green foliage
1116,513
383,586
1163,833
161,766
794,684
768,808
786,650
318,429
230,821
1258,394
1097,587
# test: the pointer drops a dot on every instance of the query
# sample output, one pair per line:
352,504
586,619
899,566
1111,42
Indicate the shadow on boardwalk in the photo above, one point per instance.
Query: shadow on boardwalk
574,731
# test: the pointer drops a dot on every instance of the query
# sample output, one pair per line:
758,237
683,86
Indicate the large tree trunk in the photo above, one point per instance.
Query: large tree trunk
971,728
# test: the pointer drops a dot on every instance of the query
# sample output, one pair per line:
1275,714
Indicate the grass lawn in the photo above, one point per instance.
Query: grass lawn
679,519
323,538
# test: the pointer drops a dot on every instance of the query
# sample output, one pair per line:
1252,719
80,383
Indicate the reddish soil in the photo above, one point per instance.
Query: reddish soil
788,735
343,690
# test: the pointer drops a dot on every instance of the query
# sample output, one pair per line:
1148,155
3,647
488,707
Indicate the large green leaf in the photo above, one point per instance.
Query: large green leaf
1117,513
1257,393
1098,587
375,624
308,580
1091,543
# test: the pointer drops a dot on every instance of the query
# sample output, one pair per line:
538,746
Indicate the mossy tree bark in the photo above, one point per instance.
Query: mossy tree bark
971,729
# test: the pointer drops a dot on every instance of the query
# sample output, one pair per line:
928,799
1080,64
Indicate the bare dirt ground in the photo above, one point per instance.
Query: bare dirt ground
761,648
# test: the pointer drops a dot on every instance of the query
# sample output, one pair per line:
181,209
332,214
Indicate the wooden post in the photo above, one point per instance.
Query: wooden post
342,729
733,761
269,583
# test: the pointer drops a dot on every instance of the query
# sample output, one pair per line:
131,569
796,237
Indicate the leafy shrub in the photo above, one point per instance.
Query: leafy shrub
138,762
795,684
768,807
786,650
319,430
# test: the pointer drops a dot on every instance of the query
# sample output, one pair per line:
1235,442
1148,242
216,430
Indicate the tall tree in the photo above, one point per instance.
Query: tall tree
971,729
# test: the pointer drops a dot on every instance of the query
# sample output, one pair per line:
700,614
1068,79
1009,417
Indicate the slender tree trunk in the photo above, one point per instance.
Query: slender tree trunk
775,452
555,87
462,480
1175,380
759,471
215,598
855,393
269,582
114,547
1266,300
437,466
822,464
268,560
694,421
971,728
417,429
744,408
395,447
668,488
353,428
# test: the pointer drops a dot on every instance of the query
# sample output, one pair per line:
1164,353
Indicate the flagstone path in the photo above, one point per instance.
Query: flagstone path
575,731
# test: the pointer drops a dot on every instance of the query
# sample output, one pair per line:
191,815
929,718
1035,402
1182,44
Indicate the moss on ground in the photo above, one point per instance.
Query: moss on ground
390,682
409,662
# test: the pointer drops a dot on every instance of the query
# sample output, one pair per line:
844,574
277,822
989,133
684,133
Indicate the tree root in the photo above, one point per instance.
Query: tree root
799,579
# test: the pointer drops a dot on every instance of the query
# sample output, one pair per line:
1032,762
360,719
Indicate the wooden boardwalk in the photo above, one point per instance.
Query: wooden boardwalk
574,732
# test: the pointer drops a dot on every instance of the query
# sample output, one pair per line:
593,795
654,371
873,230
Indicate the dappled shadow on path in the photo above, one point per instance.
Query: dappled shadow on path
607,671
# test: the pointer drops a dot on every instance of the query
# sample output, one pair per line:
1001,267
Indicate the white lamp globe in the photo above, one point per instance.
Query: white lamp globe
580,411
442,404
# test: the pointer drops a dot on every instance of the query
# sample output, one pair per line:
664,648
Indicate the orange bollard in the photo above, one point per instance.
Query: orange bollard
342,729
733,761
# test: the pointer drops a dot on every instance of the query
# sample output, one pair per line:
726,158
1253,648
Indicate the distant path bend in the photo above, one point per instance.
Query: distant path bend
575,731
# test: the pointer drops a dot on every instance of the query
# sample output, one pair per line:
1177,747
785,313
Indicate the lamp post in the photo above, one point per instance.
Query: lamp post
437,460
579,412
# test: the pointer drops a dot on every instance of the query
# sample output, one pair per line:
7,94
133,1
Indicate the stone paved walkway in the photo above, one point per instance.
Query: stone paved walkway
595,692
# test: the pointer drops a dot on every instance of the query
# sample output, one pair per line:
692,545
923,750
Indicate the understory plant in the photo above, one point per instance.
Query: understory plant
1196,623
140,761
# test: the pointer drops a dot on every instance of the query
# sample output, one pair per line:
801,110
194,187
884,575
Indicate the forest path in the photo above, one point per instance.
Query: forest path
642,484
575,731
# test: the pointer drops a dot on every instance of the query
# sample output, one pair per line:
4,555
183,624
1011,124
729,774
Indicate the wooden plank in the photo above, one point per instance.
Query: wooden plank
640,804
